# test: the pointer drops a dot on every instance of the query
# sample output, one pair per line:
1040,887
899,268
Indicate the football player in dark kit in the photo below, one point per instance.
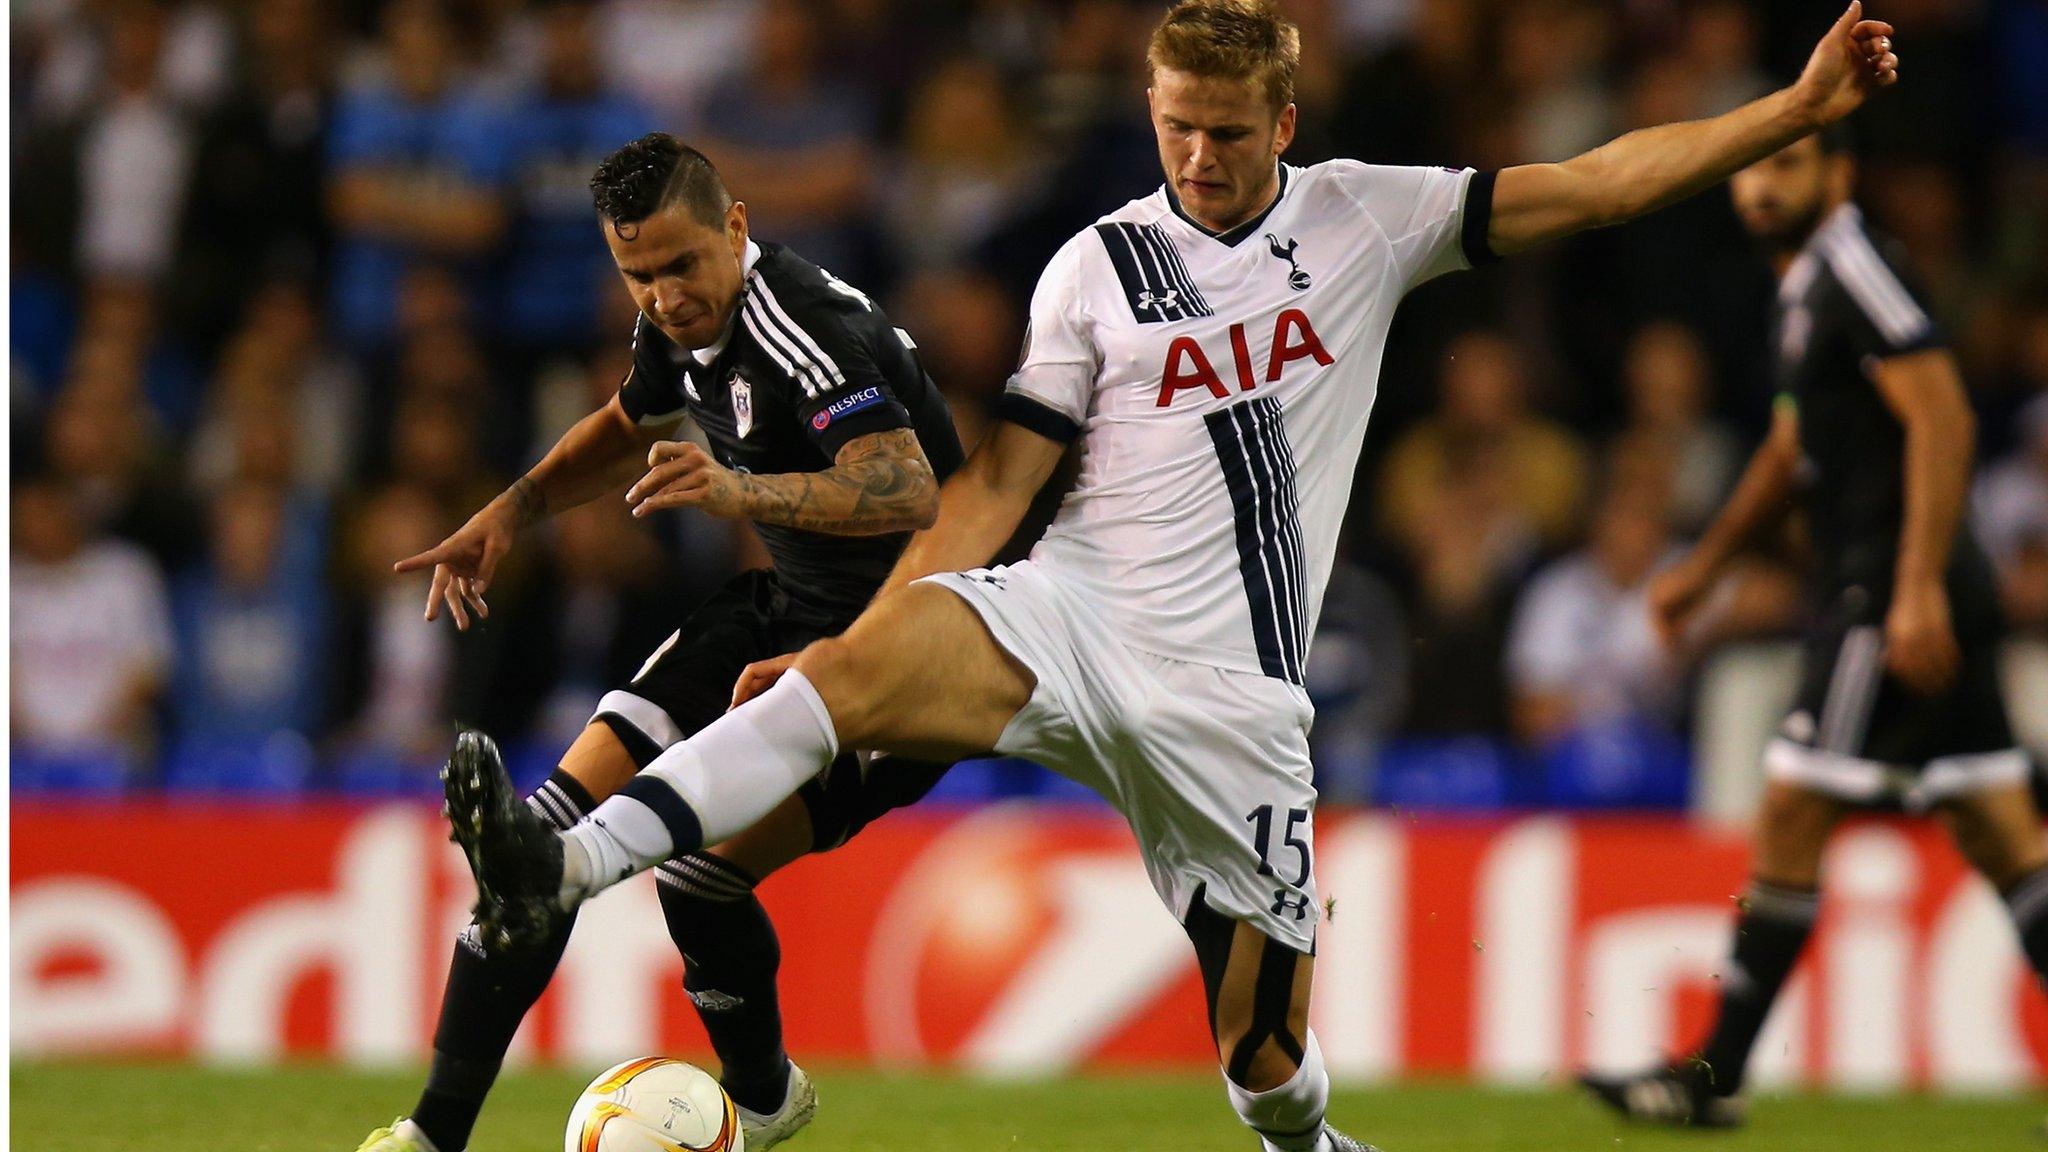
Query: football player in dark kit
827,435
1899,704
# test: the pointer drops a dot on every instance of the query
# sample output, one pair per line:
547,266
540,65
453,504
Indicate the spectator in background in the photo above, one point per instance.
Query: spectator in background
1357,676
1554,54
1669,385
1484,413
1720,55
967,334
796,145
1464,547
608,606
1402,105
418,162
126,225
121,475
254,210
967,165
1582,652
673,53
2011,506
557,268
278,368
90,640
250,620
120,333
393,677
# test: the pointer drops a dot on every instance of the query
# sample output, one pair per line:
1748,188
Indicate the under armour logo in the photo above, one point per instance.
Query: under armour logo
1159,302
1285,902
1297,278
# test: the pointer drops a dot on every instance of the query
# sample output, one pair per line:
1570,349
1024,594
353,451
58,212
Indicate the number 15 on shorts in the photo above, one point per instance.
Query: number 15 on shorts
1293,835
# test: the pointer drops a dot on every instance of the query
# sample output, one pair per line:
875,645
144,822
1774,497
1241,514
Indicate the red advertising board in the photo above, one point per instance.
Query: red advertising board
1020,940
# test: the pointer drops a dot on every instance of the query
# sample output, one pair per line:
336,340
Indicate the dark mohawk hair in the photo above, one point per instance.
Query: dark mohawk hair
651,173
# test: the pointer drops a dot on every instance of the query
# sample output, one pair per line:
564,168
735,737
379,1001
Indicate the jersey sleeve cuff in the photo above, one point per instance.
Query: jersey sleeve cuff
880,418
1478,217
1037,416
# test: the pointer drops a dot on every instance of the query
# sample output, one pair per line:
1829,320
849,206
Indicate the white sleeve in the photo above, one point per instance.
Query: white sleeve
1436,218
1055,378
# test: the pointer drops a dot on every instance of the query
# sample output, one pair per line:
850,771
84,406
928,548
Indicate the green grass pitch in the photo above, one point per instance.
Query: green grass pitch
91,1107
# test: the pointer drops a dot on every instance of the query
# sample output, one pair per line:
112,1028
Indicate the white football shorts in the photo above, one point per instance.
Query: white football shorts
1209,766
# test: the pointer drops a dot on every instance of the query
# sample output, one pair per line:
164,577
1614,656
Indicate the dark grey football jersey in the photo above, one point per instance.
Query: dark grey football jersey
808,364
1847,302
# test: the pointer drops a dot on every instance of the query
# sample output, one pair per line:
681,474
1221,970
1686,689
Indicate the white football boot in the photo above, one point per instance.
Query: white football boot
402,1136
799,1104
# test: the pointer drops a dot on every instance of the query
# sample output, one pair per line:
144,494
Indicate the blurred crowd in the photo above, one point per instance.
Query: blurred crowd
299,284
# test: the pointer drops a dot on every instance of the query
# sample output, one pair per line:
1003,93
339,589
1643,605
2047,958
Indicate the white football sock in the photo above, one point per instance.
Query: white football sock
754,757
407,1130
609,845
704,790
1288,1118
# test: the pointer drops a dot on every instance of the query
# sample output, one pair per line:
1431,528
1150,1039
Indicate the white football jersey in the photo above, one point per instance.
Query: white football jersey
1220,385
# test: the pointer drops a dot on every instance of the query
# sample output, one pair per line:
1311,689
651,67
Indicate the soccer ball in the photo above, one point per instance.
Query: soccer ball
653,1105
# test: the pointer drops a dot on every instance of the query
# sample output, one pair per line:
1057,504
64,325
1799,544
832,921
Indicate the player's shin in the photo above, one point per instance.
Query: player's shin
1769,935
1288,1118
705,789
2027,901
730,959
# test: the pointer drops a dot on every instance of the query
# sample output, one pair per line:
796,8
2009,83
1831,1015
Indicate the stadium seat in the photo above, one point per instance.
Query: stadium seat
35,770
278,765
378,771
1455,774
1628,764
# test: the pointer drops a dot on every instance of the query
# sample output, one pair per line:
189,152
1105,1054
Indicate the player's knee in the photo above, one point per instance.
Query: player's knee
1999,856
1266,1069
845,676
1260,1051
1791,834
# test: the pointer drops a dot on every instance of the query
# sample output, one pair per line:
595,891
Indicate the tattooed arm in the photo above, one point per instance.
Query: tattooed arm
879,483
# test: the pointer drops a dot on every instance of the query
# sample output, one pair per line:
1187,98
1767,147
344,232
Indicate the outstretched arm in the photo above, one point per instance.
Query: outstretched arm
1648,169
593,457
878,483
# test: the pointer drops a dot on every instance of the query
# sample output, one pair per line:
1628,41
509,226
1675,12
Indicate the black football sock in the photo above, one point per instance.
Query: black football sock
730,956
2028,903
486,998
1769,934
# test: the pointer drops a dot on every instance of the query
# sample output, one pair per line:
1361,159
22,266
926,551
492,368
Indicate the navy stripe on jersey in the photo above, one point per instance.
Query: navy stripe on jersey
1155,280
1258,468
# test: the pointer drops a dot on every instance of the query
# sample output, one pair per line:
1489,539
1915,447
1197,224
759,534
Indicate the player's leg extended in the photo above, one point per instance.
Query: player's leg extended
1258,992
490,991
917,674
1998,830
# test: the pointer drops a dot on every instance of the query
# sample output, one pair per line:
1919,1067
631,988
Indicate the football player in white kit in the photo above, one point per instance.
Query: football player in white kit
1215,346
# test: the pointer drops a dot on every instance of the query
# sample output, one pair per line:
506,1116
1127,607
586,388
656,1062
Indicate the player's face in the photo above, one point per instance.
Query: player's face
1218,141
1782,197
684,275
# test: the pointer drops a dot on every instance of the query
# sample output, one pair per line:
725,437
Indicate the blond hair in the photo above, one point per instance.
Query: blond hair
1234,39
